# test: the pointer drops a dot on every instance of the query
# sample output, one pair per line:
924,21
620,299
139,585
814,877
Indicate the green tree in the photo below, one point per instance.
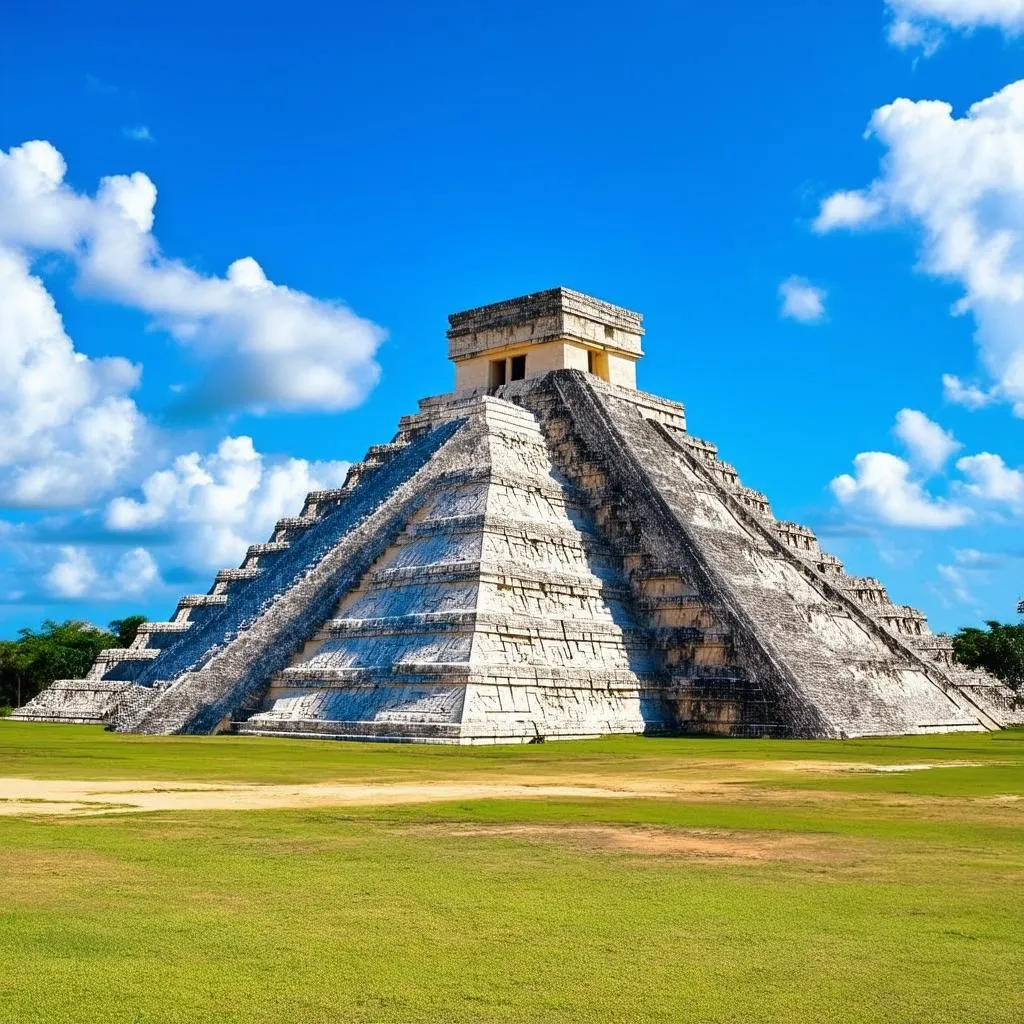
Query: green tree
999,649
126,628
57,650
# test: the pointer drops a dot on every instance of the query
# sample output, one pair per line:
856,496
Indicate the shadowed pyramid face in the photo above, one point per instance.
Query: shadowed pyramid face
558,559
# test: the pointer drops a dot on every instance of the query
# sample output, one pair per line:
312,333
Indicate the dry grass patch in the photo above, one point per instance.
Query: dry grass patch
702,844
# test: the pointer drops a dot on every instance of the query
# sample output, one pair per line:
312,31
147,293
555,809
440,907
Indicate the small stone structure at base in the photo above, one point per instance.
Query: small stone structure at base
544,553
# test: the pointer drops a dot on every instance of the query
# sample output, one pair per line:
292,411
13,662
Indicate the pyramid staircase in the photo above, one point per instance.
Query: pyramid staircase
499,614
553,557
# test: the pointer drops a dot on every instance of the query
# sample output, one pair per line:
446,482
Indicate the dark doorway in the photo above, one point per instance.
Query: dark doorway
497,376
518,367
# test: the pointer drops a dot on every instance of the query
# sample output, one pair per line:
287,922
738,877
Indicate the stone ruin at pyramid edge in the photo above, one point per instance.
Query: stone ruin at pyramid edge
545,552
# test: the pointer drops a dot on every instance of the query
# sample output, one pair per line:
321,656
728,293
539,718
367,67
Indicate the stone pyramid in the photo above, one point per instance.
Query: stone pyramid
544,553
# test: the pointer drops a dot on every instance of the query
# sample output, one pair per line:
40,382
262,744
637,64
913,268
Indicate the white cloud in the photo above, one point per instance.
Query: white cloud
221,502
956,580
882,488
67,425
905,34
262,345
956,392
973,560
928,444
847,210
920,23
961,181
136,573
802,300
74,575
990,479
138,133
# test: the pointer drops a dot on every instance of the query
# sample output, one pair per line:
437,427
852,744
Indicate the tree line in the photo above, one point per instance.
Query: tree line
56,650
65,650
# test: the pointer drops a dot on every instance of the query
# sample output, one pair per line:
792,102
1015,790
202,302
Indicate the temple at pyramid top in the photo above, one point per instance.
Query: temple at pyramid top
557,329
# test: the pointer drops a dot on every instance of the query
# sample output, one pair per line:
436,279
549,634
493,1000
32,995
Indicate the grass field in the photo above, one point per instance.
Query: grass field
760,881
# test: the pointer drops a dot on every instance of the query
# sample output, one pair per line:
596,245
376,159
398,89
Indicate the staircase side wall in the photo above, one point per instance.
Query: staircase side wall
230,659
829,670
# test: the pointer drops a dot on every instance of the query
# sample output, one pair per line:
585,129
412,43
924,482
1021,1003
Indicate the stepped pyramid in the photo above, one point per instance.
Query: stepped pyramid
545,552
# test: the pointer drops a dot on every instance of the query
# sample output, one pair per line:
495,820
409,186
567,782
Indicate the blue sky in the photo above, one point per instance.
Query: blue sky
368,169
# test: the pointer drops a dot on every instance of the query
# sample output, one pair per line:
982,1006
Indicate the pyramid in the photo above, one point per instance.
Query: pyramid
546,552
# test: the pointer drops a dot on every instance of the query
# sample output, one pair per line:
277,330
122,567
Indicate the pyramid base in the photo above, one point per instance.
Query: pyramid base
420,732
487,710
81,702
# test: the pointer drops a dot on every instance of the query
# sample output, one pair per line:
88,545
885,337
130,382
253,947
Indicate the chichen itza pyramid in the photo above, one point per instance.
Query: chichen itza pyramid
543,553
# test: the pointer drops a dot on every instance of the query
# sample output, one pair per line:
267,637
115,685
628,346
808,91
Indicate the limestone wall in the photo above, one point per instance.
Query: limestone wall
562,559
822,664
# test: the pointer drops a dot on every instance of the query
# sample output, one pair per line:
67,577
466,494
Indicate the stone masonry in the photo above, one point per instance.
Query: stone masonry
544,553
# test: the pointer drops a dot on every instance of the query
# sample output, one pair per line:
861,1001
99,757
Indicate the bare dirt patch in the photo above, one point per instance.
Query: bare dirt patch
60,796
709,780
704,844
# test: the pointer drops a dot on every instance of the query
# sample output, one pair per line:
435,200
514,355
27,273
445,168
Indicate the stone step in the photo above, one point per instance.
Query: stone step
74,701
383,452
728,680
693,441
328,494
118,654
322,503
382,732
537,627
690,673
259,555
864,584
121,663
462,673
500,573
237,575
202,601
523,526
159,635
753,500
715,635
828,565
800,539
292,524
163,627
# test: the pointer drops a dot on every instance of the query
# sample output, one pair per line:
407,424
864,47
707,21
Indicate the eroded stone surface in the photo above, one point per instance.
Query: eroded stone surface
560,558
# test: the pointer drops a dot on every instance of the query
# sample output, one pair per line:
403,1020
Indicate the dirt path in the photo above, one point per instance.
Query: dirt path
48,796
20,796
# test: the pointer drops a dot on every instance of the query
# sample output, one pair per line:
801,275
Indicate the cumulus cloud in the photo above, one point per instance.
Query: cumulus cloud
921,23
219,503
68,427
892,490
75,575
802,300
960,180
929,445
848,210
72,575
882,487
970,396
262,345
138,133
990,479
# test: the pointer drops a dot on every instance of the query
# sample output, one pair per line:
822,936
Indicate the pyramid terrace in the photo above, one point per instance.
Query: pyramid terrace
545,552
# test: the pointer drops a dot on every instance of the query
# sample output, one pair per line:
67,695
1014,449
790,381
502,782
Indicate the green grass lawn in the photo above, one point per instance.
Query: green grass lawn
787,895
